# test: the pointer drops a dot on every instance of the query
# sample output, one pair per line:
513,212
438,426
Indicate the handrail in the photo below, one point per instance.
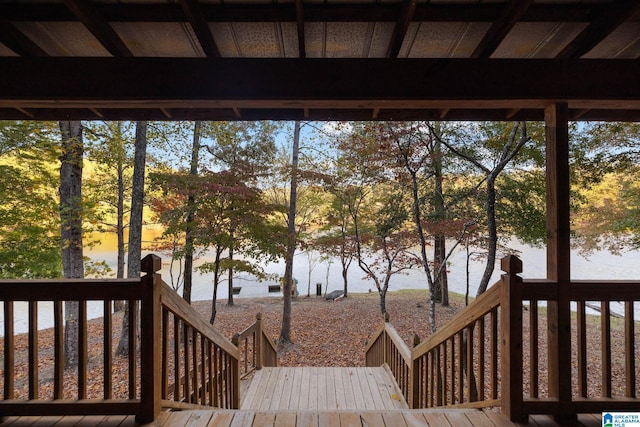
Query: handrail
173,338
388,349
138,399
257,349
448,368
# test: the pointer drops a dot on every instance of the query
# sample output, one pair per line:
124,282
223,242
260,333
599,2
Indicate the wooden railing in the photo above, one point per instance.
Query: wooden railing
490,353
172,339
200,367
257,349
389,350
592,386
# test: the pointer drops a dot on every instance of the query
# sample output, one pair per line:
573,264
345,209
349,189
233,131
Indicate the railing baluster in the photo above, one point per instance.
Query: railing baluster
481,357
444,372
629,349
107,350
194,355
203,370
9,351
581,344
165,354
212,374
452,370
533,348
133,359
494,352
460,370
58,350
177,335
605,346
470,377
33,351
82,350
187,364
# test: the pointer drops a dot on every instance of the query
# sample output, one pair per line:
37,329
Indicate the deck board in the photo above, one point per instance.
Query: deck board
321,389
251,418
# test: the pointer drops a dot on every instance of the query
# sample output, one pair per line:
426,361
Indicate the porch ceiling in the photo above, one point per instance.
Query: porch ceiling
332,59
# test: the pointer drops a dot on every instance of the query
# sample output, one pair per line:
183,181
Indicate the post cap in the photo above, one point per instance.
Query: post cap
511,264
151,263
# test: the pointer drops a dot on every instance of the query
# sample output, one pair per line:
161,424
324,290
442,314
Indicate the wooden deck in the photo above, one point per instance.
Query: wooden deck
226,418
313,397
323,389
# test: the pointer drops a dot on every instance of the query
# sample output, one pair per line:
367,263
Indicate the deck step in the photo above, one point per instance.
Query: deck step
323,389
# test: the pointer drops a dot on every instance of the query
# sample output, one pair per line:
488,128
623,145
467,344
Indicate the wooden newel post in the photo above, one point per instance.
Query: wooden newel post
258,344
511,338
414,376
150,340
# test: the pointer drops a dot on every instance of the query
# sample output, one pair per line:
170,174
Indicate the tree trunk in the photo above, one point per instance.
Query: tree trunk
440,251
216,280
493,235
71,227
230,299
135,224
119,305
191,203
285,333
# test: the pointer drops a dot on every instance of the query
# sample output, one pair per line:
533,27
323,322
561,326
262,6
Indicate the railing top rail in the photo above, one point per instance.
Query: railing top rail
478,308
375,337
583,290
183,310
402,347
592,290
77,290
250,330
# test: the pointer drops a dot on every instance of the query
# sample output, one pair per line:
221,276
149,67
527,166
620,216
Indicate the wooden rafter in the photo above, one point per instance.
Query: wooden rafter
511,14
601,27
302,50
86,12
200,27
15,40
401,27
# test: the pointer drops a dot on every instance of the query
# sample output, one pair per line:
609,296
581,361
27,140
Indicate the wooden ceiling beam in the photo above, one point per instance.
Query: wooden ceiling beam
603,25
16,11
510,15
318,83
86,12
15,40
193,11
401,27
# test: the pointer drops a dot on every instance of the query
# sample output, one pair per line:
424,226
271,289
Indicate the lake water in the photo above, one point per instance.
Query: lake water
601,265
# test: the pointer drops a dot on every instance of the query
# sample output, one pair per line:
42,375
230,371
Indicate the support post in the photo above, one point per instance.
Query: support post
258,350
414,376
559,257
150,341
511,330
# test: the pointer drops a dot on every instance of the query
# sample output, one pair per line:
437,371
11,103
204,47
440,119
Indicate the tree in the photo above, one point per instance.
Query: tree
285,331
246,150
383,243
29,218
112,153
506,152
189,239
135,225
226,210
71,227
